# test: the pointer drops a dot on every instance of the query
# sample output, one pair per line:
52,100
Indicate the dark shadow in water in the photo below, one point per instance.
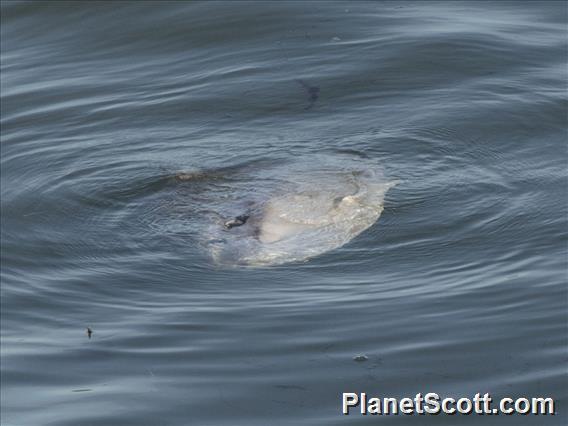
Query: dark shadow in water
312,91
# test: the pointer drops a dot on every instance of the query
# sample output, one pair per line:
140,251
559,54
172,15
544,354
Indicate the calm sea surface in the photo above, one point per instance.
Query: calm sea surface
130,131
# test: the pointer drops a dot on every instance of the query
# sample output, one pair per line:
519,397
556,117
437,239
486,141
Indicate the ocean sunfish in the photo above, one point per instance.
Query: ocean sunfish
311,220
291,215
311,215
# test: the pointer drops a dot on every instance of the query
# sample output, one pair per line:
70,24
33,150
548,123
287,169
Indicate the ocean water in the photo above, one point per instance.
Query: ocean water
131,131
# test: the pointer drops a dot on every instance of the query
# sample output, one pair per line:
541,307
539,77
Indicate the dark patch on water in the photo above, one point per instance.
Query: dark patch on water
312,93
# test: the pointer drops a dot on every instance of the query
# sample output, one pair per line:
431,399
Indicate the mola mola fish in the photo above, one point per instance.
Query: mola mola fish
315,212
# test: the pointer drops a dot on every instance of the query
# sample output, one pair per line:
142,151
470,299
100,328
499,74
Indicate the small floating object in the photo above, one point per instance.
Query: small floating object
360,358
89,332
188,176
238,221
335,39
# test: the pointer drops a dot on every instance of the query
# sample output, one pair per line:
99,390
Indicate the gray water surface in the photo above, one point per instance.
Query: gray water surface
130,130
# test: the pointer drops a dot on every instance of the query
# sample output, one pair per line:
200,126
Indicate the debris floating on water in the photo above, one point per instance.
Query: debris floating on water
237,221
360,358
